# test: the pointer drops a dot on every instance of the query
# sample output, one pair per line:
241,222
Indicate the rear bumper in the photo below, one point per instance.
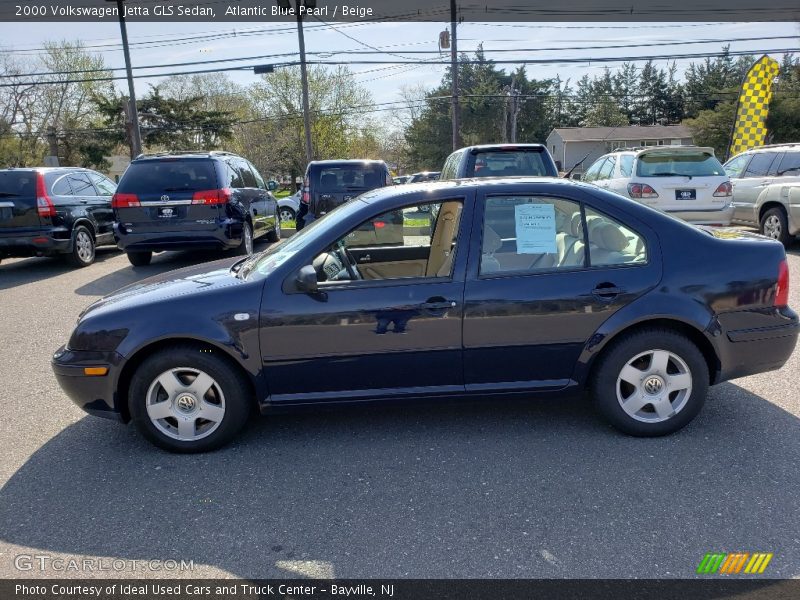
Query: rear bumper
758,349
720,216
95,395
227,235
34,244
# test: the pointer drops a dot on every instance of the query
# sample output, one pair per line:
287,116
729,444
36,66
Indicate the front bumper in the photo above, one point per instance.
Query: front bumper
721,217
97,395
227,236
765,343
34,244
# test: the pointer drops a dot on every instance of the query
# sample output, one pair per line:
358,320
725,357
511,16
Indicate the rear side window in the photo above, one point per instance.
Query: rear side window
508,163
81,186
790,165
611,243
61,187
347,178
17,184
170,175
670,164
626,165
247,175
760,165
450,169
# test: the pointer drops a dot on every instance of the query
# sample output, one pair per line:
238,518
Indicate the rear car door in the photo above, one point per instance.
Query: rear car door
105,214
270,202
253,198
535,293
168,194
87,202
394,333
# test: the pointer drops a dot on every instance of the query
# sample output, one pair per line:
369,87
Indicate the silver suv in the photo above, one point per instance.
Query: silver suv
766,190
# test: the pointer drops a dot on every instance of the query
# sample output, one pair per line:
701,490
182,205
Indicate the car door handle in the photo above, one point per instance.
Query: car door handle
606,291
255,212
365,258
438,304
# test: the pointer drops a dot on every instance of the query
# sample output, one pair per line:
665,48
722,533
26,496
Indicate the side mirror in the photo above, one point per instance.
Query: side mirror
576,176
272,185
307,280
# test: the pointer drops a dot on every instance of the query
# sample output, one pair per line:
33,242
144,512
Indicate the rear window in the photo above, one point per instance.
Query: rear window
17,184
668,164
508,163
168,176
347,178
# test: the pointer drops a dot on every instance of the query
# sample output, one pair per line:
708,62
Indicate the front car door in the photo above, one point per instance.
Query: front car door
389,324
746,189
546,270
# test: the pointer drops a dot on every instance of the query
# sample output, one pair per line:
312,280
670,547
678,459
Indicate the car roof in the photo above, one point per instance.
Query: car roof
347,161
505,146
44,169
790,146
638,151
191,154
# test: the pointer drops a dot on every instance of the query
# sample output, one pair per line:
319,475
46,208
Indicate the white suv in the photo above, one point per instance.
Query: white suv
685,181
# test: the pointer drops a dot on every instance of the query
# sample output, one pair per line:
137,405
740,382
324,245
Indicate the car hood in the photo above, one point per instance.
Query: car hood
195,280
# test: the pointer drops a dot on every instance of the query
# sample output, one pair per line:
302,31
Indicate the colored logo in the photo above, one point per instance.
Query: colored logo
734,563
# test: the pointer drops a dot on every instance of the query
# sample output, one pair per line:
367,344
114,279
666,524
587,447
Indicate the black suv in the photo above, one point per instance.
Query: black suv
499,160
329,183
192,200
55,211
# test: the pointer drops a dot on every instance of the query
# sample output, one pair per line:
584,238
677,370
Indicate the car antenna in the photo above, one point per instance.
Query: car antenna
592,149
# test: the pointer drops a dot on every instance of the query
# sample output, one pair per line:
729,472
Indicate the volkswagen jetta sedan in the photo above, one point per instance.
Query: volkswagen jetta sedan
514,287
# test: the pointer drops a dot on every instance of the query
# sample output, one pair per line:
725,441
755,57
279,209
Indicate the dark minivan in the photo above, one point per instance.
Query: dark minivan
330,183
499,160
192,200
55,211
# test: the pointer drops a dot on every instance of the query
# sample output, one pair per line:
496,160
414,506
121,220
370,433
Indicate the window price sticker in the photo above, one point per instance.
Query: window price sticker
536,228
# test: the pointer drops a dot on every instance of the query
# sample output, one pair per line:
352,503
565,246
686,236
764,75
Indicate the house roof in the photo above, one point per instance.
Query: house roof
627,133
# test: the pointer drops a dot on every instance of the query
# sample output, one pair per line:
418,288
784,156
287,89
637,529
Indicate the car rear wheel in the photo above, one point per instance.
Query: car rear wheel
245,247
774,225
275,235
140,259
188,399
83,249
650,383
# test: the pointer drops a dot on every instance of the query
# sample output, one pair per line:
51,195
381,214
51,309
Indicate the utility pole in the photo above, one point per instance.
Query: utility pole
515,106
304,81
52,141
135,136
454,75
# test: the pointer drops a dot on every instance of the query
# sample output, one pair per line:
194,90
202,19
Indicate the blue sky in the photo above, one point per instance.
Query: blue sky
386,81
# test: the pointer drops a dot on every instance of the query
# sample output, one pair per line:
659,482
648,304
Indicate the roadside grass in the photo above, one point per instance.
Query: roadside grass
416,222
282,194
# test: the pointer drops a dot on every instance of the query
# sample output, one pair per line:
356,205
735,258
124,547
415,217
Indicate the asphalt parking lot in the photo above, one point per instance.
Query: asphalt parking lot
515,489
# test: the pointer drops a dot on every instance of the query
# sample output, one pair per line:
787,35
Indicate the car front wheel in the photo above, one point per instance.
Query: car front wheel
774,225
189,399
650,383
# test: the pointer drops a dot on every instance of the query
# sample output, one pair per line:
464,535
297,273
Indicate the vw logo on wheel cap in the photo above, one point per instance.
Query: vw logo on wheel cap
186,403
653,385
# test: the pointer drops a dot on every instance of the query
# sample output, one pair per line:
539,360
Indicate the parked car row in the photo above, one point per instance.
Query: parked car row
167,201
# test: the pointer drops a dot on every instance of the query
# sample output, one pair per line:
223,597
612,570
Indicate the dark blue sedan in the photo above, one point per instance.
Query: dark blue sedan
498,288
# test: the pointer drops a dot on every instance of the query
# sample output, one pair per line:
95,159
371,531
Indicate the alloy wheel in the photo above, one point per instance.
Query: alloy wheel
772,227
85,247
654,386
285,215
185,404
248,239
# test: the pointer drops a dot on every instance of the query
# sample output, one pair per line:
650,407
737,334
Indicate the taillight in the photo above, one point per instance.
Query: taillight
379,224
641,190
124,200
782,292
212,196
306,197
724,190
44,206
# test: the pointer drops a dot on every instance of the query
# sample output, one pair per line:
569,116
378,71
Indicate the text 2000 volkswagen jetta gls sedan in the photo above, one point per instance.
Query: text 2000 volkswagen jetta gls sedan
513,287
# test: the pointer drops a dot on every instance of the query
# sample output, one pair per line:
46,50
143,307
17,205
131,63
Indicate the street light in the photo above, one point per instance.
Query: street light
132,113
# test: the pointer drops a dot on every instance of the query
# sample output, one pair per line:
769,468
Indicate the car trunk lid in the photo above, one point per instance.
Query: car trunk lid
18,200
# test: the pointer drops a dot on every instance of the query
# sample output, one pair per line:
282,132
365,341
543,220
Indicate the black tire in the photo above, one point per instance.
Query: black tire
140,259
775,225
604,391
275,234
245,247
237,394
83,248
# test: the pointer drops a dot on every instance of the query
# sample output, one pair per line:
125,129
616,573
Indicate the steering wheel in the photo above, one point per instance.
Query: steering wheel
348,262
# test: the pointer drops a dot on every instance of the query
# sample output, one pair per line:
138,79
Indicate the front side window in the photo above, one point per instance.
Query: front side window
105,187
611,243
529,234
412,242
593,171
607,170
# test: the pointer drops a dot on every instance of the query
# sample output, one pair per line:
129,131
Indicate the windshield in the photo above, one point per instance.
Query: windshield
671,164
261,265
